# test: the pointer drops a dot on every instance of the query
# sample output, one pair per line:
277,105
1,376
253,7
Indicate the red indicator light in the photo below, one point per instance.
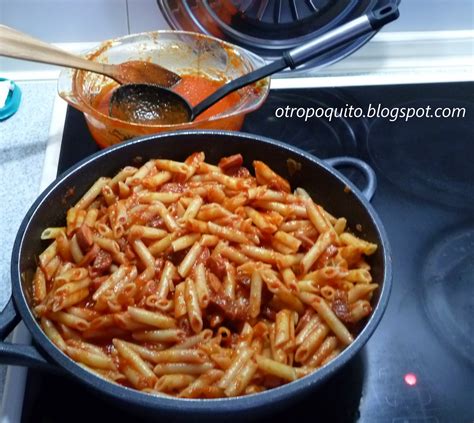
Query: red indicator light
410,379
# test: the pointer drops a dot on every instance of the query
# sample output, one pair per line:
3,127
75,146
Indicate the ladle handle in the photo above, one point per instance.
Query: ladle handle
17,45
337,37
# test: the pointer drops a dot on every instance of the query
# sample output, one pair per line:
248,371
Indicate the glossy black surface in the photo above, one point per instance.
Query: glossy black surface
418,366
270,27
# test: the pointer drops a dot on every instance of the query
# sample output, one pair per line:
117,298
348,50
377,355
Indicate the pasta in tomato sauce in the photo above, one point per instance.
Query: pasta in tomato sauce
201,281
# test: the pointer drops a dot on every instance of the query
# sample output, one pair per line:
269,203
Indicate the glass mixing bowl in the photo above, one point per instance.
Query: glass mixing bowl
183,53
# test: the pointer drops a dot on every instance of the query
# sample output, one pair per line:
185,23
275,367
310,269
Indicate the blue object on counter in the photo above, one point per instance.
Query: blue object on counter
12,102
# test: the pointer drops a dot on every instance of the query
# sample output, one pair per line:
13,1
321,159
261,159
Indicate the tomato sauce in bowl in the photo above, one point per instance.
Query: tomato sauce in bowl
194,88
205,63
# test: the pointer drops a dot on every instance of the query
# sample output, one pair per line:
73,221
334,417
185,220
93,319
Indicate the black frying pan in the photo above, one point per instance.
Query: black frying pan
326,185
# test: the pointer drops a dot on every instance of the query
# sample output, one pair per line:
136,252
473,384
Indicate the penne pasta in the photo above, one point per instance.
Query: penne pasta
155,181
359,276
204,381
151,318
232,254
161,246
242,380
366,247
165,335
229,234
144,253
98,361
53,233
266,176
282,328
140,231
166,280
290,241
91,193
311,343
229,285
241,358
193,340
328,316
260,221
202,290
323,242
188,261
197,280
67,299
52,333
171,356
39,286
179,368
173,382
192,305
275,368
185,241
359,291
193,208
324,350
255,299
69,320
359,310
133,359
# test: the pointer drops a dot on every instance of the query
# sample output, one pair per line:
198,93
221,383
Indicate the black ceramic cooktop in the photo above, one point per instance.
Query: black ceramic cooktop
419,364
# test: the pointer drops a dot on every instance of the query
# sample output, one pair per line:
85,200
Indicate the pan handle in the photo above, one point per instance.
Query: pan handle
370,177
9,318
17,354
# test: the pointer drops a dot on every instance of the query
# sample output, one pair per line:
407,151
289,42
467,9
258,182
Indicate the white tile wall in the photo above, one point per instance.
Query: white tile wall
95,20
66,20
145,15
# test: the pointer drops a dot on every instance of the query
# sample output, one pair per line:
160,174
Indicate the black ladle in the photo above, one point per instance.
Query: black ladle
152,104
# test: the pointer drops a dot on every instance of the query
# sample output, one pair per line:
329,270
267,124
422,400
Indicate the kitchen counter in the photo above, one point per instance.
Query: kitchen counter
23,141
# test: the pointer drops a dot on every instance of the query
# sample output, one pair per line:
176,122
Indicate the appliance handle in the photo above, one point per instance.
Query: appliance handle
362,25
17,354
370,177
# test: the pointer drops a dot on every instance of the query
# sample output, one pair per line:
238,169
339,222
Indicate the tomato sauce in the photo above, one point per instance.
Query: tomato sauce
194,88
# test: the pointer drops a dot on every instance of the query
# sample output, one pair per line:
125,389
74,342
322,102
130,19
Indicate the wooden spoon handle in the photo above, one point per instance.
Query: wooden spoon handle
22,46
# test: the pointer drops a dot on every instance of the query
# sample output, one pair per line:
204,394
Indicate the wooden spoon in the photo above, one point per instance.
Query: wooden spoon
22,46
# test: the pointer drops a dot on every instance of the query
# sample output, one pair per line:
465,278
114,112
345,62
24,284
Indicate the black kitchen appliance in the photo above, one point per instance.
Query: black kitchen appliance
271,27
